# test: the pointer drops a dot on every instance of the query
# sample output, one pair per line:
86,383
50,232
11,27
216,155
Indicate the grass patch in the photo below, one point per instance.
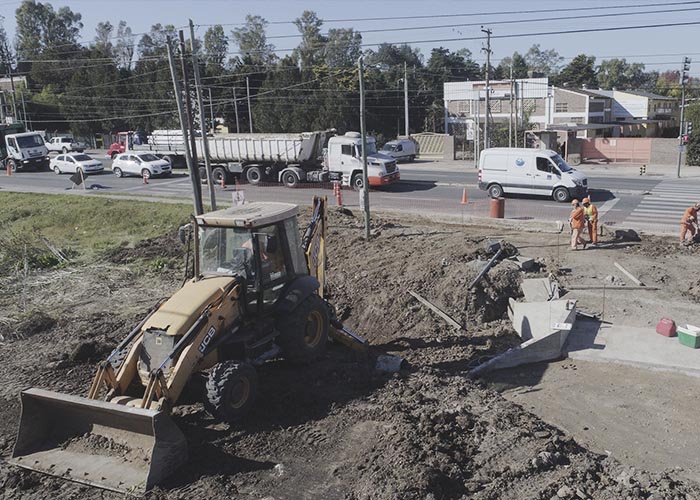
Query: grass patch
84,228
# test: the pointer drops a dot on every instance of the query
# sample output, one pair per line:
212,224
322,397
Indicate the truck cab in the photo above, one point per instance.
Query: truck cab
345,158
25,150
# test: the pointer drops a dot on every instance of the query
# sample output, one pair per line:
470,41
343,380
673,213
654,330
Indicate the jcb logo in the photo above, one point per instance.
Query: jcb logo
207,339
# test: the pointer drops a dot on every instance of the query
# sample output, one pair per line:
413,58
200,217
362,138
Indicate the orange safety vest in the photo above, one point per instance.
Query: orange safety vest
577,218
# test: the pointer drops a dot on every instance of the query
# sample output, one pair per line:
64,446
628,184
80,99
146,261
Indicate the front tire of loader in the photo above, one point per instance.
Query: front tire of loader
231,391
304,333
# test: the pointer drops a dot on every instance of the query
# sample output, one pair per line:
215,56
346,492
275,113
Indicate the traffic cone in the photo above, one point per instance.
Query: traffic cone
223,182
9,169
145,179
464,196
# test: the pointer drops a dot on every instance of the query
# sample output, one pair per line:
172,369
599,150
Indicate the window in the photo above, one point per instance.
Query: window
60,158
561,107
346,149
69,159
544,165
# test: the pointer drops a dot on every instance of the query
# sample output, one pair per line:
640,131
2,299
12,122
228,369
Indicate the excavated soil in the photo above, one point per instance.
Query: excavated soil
339,428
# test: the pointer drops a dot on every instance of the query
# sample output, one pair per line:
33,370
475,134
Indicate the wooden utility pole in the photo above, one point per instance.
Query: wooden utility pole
188,102
235,107
250,110
193,169
405,96
510,118
205,139
365,180
487,135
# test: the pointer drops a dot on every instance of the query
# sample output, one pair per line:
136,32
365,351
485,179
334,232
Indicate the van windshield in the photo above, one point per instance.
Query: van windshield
389,147
559,162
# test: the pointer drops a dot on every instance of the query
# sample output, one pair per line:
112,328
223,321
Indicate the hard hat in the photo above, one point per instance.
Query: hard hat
586,200
574,201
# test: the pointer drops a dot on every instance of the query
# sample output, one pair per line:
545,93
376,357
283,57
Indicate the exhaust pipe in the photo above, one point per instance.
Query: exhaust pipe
94,442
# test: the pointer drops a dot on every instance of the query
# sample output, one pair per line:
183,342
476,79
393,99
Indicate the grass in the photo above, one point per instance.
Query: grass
85,227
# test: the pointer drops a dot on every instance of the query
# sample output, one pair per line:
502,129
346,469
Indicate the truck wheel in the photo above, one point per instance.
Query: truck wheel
253,175
356,182
56,170
290,179
495,191
13,165
304,333
170,159
231,391
218,174
64,149
561,194
117,172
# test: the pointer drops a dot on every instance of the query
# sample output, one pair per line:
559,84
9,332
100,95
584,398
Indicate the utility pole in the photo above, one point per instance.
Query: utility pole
211,112
205,139
510,118
235,107
27,123
188,105
405,96
683,82
365,181
194,172
250,111
487,135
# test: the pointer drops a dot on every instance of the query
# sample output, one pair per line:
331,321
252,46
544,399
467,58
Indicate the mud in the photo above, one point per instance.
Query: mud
337,428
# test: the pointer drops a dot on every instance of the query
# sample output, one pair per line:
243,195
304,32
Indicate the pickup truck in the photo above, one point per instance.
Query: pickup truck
65,144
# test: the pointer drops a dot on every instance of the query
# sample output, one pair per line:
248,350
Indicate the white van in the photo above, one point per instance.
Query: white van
403,149
529,171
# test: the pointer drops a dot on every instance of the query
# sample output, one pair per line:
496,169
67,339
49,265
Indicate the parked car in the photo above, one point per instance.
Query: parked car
529,171
72,163
403,149
143,164
65,144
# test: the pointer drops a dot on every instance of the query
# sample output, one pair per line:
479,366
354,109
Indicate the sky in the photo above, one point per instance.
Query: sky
453,24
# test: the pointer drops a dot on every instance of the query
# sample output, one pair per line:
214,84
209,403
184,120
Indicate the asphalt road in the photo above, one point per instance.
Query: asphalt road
434,188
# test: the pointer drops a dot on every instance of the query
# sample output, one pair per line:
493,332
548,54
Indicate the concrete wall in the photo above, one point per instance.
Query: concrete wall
665,152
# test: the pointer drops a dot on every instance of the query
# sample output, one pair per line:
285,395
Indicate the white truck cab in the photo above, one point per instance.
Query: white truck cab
345,157
529,171
26,151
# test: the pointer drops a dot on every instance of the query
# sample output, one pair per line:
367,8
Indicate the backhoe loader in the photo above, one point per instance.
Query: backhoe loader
256,294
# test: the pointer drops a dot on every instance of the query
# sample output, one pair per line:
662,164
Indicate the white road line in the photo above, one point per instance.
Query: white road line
605,207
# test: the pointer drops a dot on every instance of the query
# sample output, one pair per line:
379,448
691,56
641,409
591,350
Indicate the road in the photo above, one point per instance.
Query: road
428,188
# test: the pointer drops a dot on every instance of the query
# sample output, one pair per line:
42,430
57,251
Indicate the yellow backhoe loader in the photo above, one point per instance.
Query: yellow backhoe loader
257,293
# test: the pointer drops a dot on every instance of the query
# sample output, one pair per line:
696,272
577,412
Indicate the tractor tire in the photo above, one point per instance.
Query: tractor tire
253,175
231,391
304,333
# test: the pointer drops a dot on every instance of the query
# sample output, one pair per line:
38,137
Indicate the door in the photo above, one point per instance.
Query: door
546,176
519,177
348,158
133,165
69,165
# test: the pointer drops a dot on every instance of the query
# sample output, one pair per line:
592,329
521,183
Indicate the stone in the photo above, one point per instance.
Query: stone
564,492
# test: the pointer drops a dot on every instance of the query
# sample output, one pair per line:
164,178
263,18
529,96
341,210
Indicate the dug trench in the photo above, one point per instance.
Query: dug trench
338,428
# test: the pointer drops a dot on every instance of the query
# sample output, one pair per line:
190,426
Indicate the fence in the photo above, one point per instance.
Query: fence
617,150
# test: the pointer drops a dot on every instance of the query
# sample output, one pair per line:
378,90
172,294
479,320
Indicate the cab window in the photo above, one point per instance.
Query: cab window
544,165
347,149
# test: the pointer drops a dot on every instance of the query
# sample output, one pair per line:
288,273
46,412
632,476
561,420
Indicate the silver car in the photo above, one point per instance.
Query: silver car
77,162
143,164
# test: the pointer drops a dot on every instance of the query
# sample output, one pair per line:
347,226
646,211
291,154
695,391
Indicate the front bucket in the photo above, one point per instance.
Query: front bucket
102,444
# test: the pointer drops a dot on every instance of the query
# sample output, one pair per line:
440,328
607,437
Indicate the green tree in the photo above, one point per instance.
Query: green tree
520,67
215,49
343,47
251,40
103,39
619,73
309,50
124,48
580,72
547,62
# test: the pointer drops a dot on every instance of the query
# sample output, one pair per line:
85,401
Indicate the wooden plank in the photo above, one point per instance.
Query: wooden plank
629,274
436,310
611,287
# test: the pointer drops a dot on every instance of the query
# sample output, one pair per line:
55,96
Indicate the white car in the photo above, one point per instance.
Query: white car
143,164
72,163
65,145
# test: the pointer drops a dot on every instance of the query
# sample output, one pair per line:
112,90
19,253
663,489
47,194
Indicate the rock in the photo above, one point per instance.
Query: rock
542,434
564,492
278,470
387,363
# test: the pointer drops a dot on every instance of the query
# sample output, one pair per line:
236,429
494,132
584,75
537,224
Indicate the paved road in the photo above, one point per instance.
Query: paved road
434,188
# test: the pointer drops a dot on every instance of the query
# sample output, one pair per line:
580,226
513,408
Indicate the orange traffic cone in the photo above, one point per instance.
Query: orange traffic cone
223,182
145,179
9,169
464,196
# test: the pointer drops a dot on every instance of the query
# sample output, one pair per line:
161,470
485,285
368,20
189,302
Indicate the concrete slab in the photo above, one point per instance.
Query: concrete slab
539,290
544,328
643,347
524,263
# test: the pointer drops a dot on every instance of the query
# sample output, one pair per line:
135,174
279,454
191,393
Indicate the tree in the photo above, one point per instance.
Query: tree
580,72
41,28
103,39
519,66
252,41
312,42
343,47
546,62
215,49
7,57
388,55
124,48
620,74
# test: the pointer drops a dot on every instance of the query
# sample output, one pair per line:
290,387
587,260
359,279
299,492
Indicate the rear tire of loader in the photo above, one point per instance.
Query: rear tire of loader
231,391
304,333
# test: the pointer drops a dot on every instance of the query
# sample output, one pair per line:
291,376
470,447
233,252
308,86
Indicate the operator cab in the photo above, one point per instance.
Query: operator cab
258,242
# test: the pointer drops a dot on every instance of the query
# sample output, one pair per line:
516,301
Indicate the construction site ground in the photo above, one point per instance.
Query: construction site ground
339,428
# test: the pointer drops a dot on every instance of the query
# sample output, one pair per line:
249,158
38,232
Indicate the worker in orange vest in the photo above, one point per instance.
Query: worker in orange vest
590,213
577,220
689,222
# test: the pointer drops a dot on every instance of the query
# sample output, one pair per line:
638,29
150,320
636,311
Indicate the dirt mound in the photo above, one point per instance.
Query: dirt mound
32,323
664,247
167,246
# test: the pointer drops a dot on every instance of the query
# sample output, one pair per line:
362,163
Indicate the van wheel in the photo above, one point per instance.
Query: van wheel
290,179
357,182
495,191
253,175
561,194
411,158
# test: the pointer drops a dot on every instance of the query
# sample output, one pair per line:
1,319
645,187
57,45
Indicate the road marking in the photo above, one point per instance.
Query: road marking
605,207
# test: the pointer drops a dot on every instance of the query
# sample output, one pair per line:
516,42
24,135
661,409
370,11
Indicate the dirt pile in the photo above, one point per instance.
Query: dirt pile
336,428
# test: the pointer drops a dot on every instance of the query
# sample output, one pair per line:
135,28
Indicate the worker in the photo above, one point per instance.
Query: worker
689,222
577,221
590,213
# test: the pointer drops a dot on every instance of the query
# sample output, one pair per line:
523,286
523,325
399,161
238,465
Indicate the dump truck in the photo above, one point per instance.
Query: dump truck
22,150
292,159
257,294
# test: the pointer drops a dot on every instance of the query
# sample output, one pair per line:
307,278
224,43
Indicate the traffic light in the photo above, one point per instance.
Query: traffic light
688,128
684,73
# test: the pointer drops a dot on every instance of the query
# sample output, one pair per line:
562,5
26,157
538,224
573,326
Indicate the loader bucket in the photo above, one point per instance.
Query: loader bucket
102,444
